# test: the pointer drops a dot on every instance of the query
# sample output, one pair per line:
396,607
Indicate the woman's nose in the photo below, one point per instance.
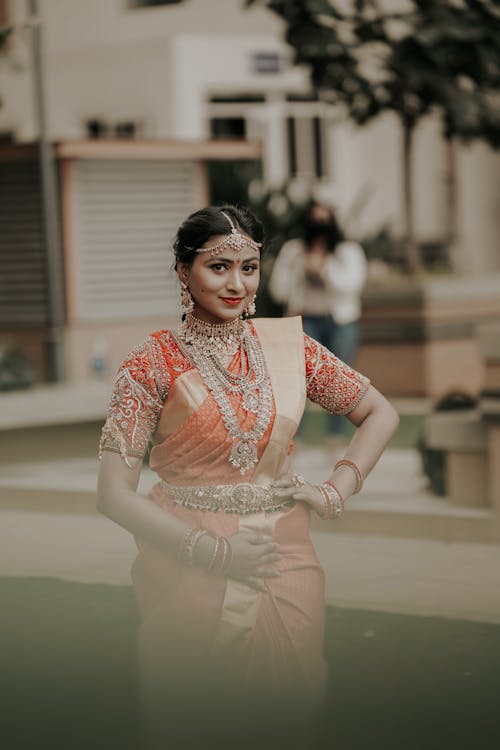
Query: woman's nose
235,281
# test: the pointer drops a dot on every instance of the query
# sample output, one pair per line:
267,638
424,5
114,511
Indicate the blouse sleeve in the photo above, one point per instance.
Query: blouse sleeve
138,393
330,382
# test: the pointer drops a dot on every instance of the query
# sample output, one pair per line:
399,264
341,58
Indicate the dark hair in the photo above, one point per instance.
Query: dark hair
325,229
207,222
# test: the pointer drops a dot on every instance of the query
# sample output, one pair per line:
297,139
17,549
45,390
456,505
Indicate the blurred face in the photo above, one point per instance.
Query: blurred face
224,285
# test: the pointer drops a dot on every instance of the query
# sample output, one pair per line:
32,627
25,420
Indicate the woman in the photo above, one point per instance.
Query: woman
322,278
230,589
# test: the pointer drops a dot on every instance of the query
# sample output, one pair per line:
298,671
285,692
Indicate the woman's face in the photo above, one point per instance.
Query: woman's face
224,285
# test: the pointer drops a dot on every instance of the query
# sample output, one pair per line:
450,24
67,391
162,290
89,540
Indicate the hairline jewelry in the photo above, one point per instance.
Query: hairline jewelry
236,240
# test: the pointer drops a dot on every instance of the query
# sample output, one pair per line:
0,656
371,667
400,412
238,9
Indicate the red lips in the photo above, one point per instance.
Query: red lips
232,300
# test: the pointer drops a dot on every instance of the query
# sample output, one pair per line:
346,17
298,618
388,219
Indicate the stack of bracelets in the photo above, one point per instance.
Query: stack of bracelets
222,555
332,501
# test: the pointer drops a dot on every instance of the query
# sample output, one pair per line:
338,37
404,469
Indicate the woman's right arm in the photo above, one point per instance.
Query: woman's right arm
119,500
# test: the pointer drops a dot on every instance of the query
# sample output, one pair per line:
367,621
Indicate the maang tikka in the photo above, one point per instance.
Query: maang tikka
235,240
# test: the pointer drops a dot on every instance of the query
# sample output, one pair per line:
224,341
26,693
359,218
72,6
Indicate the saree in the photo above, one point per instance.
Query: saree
212,647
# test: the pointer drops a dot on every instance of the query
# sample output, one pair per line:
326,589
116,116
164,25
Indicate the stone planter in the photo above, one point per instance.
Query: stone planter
419,335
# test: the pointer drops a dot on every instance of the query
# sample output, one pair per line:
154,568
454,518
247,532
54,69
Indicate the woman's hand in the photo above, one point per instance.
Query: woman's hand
253,558
295,487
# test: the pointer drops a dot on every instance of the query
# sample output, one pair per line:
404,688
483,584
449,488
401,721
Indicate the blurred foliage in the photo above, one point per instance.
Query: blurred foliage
435,54
16,371
432,56
5,32
228,180
282,213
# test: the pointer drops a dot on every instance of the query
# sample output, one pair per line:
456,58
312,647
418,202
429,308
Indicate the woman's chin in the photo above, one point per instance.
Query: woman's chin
219,315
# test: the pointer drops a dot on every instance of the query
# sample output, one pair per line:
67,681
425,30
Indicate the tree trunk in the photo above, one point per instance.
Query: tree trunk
412,255
451,228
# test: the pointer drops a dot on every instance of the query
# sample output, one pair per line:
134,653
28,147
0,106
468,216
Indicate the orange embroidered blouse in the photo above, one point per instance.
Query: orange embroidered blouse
147,373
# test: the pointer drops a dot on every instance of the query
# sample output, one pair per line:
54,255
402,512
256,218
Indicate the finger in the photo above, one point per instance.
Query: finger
268,549
302,496
255,583
259,539
285,491
267,573
285,481
271,558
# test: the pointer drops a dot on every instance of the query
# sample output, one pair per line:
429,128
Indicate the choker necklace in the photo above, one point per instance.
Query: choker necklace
212,338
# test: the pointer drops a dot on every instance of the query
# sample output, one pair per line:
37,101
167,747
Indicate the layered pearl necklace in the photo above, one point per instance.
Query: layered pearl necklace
205,344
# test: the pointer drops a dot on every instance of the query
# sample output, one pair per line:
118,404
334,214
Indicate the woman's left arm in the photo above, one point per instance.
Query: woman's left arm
376,421
342,390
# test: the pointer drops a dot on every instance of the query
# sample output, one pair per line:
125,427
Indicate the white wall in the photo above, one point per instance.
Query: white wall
160,65
479,209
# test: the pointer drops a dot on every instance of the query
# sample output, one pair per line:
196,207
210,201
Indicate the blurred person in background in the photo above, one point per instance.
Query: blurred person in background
322,278
229,587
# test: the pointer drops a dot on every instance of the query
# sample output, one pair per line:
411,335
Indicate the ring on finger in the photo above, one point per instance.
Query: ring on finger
298,480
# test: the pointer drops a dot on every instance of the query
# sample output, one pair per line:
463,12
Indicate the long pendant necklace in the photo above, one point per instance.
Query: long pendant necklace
256,394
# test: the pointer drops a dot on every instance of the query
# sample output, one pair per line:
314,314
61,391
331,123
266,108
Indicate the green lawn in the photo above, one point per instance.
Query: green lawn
406,436
399,682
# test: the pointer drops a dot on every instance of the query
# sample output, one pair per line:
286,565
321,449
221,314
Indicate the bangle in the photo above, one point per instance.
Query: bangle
331,486
335,505
228,556
189,540
332,499
354,468
221,558
328,511
214,554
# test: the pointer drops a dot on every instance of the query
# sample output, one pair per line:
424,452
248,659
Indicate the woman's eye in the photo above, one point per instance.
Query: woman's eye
250,268
218,267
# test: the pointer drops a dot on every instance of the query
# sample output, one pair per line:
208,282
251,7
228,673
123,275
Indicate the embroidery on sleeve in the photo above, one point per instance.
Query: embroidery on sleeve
138,393
331,383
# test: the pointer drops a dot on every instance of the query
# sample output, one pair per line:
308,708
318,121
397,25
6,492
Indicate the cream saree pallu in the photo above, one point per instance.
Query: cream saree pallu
209,640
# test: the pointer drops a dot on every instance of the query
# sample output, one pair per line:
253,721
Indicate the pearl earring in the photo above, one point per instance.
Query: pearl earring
251,309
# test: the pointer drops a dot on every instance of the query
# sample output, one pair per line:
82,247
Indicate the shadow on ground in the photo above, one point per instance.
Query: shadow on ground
396,681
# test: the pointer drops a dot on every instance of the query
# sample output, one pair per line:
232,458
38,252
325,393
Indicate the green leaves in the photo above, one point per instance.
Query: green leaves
423,58
5,32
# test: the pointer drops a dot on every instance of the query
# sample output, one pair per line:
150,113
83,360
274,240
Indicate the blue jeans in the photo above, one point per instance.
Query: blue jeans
343,341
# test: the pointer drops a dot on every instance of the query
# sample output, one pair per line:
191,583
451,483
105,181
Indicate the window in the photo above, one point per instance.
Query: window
306,122
228,127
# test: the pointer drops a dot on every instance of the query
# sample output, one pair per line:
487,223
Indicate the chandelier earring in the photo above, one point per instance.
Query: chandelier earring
250,308
186,298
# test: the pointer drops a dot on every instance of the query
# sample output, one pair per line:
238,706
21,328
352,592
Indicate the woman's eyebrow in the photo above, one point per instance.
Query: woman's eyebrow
221,259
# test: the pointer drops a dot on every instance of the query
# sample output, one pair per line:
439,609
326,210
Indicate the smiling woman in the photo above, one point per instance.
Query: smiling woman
229,586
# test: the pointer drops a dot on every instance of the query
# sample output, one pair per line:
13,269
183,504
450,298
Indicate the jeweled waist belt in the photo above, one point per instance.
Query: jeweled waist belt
239,498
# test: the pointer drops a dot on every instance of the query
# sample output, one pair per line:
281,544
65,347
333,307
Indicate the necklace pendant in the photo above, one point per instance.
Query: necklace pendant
250,401
243,456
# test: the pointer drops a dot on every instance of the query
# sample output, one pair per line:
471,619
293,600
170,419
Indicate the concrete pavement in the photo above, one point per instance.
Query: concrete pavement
366,571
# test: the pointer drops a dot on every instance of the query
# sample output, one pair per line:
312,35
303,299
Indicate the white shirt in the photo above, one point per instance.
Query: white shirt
344,276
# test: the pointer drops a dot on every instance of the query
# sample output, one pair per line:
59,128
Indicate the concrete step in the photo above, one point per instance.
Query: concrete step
395,501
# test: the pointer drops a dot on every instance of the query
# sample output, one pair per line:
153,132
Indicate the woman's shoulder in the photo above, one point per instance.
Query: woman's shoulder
160,350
